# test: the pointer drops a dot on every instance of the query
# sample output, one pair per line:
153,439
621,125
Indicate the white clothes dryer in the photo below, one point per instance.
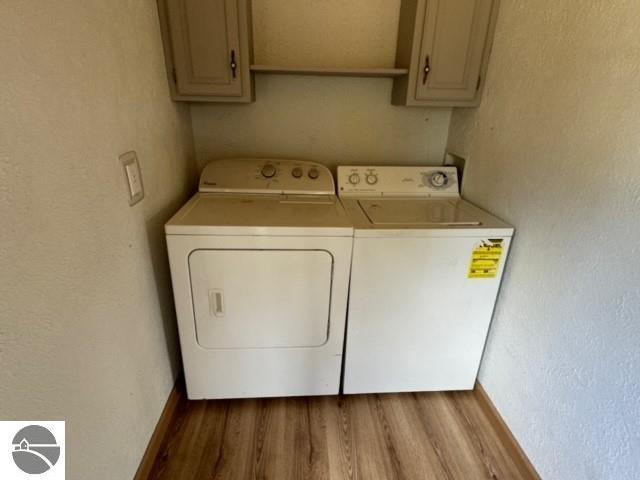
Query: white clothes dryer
426,271
260,261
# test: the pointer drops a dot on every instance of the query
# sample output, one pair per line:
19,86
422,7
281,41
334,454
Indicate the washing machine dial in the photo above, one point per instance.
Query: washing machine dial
354,179
438,179
313,173
268,171
371,179
297,172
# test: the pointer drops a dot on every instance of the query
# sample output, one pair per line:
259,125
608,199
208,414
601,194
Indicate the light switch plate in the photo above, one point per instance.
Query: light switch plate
129,161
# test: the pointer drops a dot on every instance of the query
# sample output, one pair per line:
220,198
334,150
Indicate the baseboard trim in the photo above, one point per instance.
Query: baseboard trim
512,446
176,398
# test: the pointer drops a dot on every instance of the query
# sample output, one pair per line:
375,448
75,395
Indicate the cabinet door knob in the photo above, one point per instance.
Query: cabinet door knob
233,63
427,69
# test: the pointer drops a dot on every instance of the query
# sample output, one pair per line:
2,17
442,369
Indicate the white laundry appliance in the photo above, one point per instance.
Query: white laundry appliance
426,271
260,261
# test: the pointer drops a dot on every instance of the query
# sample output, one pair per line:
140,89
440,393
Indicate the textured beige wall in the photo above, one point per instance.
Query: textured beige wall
555,149
86,319
331,120
325,33
328,119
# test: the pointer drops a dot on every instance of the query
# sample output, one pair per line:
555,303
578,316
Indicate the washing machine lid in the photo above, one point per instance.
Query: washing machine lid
418,212
261,215
421,217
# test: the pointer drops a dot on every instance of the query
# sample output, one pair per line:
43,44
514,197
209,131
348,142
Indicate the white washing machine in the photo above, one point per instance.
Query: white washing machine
425,274
260,261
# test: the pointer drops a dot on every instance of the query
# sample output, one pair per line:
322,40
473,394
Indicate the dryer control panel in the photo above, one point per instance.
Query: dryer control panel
373,181
259,175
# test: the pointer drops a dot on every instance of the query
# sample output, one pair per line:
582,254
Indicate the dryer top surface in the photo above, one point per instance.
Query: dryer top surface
261,214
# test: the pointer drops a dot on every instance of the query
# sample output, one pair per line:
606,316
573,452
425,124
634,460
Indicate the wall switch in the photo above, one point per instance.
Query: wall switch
134,177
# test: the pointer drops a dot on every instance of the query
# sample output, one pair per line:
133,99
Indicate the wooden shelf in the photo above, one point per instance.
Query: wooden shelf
328,71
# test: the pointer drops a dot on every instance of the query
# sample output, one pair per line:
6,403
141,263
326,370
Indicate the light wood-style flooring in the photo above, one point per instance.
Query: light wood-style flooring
370,437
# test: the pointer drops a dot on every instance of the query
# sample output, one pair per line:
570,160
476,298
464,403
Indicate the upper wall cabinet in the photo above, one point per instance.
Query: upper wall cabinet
441,56
445,44
207,48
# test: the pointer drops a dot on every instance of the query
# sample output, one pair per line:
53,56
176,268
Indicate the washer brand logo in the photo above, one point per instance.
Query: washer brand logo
32,449
35,449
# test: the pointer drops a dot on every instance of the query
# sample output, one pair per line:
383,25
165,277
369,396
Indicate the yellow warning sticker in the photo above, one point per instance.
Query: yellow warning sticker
485,259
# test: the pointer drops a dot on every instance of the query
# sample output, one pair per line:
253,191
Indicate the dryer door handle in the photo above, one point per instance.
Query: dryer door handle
216,302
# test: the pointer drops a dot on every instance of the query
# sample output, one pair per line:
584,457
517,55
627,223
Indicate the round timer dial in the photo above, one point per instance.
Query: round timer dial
438,179
268,171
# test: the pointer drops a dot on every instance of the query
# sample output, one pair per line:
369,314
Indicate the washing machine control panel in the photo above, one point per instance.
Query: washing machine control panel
397,181
256,175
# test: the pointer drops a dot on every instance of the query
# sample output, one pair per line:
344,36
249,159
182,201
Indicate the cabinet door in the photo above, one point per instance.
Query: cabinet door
453,43
206,46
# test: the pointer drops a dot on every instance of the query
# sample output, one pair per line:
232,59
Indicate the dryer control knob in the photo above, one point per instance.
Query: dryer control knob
313,173
297,172
268,171
372,179
354,179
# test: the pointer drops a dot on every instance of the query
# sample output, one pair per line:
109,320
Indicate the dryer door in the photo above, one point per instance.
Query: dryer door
261,298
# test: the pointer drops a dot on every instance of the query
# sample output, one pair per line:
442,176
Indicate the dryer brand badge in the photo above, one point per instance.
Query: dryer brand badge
485,259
